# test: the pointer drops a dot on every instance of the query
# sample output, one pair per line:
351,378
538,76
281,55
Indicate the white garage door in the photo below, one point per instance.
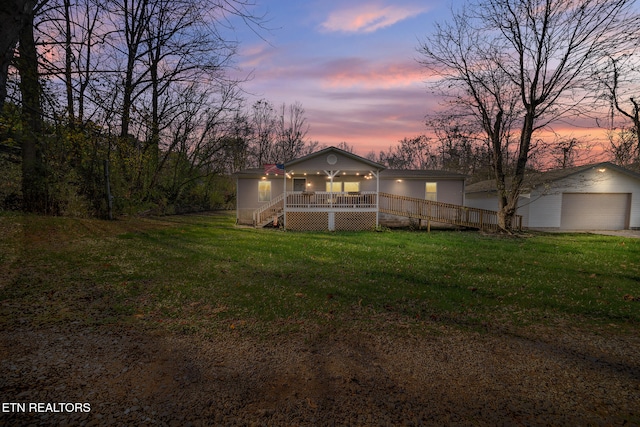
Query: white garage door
595,211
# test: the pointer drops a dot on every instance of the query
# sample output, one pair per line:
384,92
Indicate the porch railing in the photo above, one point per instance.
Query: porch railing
324,199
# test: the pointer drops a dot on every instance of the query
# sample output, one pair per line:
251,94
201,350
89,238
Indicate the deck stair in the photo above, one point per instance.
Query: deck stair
445,213
267,213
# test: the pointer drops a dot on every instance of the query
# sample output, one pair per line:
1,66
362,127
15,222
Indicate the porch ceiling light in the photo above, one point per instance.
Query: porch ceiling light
602,170
399,180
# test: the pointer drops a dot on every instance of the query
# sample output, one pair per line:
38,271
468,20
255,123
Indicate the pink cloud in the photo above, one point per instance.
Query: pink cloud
343,73
368,18
372,120
257,54
361,73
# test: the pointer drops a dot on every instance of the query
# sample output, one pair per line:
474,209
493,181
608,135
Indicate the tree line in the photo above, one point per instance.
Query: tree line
140,90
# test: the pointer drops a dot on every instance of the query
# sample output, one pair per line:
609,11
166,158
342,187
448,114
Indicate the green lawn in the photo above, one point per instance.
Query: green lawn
202,274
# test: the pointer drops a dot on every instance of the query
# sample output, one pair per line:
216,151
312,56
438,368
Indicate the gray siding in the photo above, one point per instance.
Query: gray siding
449,191
247,196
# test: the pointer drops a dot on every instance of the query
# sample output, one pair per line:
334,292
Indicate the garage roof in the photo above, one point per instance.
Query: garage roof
533,180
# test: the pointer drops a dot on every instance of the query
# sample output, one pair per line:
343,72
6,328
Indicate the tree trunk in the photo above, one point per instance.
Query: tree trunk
34,191
13,16
68,63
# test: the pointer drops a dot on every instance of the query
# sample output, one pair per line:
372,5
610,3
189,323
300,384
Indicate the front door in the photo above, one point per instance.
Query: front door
299,184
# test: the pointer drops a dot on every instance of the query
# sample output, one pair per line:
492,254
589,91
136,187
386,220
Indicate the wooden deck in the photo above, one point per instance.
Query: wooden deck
410,207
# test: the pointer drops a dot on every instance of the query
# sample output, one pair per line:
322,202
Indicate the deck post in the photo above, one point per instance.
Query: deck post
377,175
331,175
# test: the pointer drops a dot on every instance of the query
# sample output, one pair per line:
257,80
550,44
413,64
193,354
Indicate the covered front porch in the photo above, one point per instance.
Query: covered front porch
321,210
328,190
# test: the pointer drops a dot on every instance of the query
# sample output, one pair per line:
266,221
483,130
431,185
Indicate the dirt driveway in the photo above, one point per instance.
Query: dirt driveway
621,233
635,234
323,377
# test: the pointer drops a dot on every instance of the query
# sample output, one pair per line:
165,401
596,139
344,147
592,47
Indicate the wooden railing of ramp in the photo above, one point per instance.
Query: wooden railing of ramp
445,213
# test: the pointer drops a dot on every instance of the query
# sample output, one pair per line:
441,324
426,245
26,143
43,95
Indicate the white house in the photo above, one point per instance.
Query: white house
336,190
600,196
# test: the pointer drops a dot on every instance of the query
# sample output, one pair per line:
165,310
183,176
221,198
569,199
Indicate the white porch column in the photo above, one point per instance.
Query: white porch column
284,200
331,175
377,175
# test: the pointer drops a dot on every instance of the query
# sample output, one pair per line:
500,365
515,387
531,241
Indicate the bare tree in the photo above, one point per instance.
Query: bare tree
526,62
619,80
291,128
623,146
371,155
462,145
263,127
344,146
410,153
477,90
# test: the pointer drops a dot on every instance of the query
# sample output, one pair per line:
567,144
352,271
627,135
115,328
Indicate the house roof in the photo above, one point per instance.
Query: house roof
533,180
384,173
419,174
328,150
250,172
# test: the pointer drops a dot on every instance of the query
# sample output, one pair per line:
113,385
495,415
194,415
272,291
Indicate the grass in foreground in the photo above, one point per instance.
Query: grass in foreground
201,273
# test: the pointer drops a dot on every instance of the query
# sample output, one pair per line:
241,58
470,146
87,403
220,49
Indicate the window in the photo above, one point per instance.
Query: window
352,186
264,191
431,192
337,187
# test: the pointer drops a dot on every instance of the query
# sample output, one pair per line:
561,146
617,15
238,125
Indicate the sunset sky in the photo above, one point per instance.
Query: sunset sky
352,64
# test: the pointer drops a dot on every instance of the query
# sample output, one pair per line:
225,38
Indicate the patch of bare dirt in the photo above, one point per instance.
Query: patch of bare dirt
132,377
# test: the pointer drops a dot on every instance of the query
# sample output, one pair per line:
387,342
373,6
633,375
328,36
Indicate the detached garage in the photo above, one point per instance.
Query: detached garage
593,197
